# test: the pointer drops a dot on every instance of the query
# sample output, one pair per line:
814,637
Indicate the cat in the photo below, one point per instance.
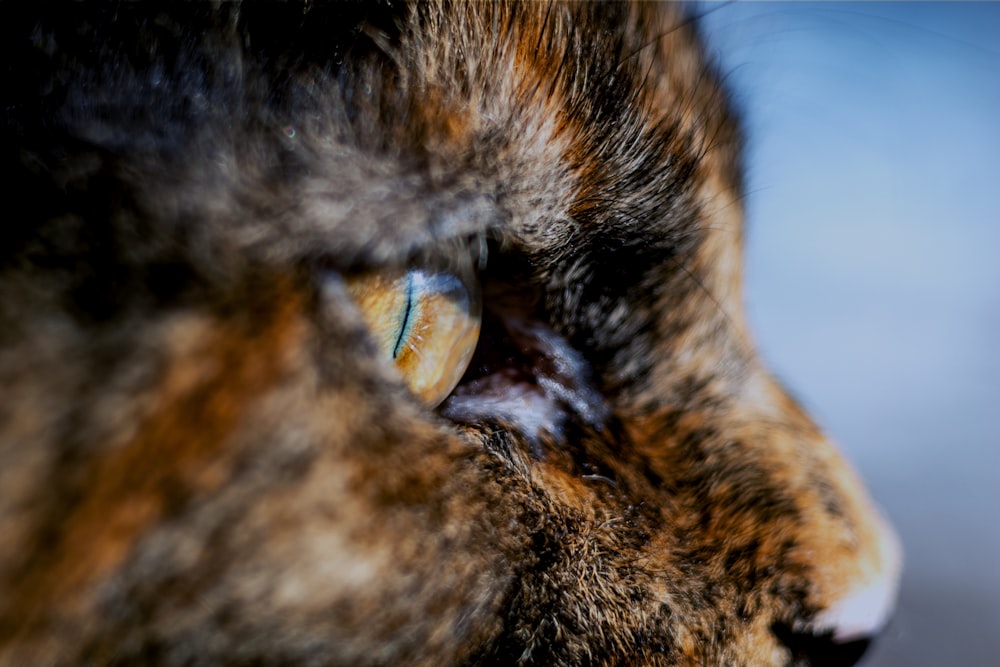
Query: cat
387,334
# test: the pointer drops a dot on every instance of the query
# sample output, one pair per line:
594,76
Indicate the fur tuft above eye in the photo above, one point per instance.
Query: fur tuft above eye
427,322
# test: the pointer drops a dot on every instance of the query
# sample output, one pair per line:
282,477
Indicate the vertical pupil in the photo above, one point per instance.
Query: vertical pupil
425,322
404,324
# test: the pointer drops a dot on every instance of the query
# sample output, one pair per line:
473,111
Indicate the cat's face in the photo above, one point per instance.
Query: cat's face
232,221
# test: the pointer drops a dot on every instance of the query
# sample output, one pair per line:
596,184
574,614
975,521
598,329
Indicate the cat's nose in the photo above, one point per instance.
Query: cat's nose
840,634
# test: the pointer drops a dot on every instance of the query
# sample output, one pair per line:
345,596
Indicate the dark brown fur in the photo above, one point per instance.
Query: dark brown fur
202,461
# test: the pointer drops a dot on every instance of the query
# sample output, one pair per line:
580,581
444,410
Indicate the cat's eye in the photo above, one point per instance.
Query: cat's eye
426,321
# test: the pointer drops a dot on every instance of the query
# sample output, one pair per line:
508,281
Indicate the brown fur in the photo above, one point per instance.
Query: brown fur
203,461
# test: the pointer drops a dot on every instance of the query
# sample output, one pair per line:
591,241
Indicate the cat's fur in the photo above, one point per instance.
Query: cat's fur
203,462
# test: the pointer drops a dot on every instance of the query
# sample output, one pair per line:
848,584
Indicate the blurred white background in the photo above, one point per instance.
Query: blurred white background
874,274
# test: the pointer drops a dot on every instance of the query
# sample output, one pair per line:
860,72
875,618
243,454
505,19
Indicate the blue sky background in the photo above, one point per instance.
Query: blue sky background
874,274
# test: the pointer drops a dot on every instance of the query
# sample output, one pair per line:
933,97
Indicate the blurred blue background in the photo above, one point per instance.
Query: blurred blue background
874,274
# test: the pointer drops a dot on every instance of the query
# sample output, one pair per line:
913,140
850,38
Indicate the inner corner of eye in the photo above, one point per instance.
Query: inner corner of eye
425,322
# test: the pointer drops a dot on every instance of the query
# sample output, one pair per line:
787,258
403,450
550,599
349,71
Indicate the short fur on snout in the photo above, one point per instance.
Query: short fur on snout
203,461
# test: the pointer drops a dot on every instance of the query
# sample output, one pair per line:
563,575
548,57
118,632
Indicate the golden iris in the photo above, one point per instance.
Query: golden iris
425,321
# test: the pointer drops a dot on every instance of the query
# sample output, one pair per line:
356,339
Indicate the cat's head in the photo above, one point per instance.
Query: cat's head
231,221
